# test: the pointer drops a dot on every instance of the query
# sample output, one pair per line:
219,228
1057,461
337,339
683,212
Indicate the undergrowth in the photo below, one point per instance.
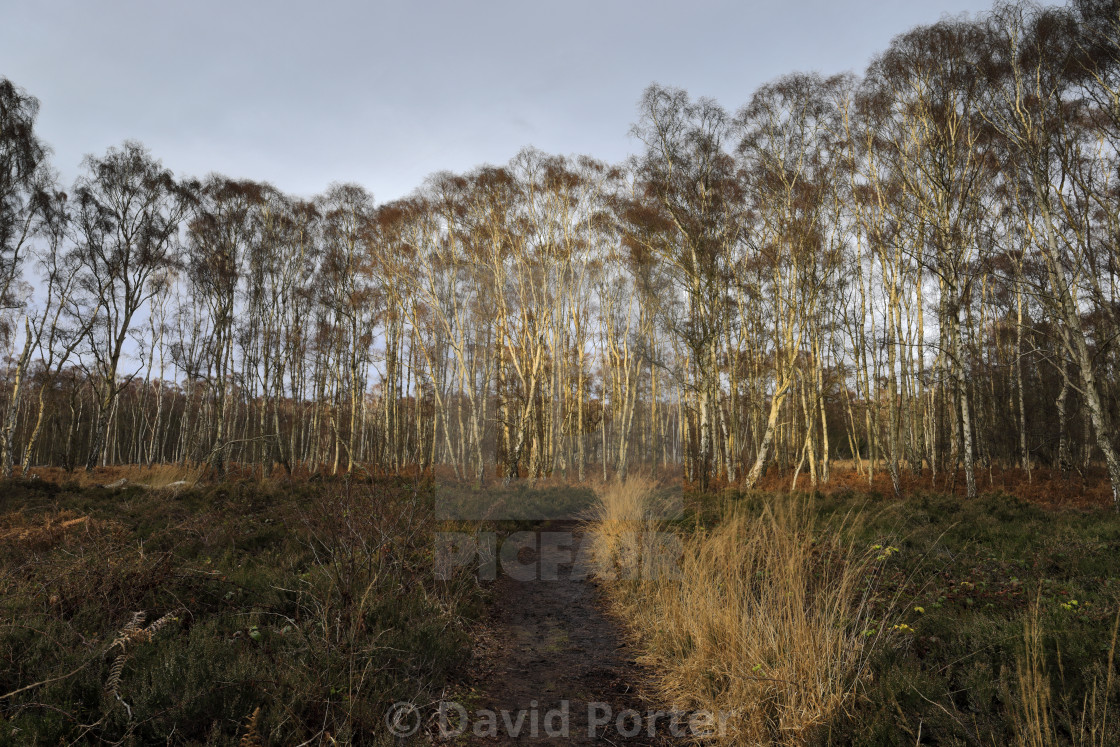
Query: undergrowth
278,614
853,619
1002,600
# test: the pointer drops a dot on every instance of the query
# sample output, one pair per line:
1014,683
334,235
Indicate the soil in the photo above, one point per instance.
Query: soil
550,641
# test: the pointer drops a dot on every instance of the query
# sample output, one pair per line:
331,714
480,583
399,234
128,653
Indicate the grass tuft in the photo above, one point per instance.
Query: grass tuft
765,626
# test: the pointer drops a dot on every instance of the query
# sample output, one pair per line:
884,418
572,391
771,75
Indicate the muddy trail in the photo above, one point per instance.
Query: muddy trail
550,640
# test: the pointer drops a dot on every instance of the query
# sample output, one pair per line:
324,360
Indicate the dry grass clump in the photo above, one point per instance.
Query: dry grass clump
622,520
169,476
766,625
621,503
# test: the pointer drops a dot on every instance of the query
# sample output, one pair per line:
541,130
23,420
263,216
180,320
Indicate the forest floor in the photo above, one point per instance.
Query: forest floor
291,611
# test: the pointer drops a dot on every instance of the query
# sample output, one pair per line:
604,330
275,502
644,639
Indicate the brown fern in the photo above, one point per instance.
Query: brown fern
130,632
113,683
133,632
159,624
252,737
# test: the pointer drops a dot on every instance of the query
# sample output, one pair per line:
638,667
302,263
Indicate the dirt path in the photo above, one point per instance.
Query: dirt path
550,641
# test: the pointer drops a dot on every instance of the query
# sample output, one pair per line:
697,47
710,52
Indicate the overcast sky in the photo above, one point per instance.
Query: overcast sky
301,94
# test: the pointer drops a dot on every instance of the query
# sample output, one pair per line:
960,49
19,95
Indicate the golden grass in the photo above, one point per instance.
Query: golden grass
766,622
162,476
618,518
1040,714
157,476
1033,724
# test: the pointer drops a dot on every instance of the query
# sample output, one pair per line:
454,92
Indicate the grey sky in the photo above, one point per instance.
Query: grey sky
304,93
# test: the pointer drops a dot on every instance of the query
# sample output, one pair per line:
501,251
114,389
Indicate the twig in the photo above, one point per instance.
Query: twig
45,682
